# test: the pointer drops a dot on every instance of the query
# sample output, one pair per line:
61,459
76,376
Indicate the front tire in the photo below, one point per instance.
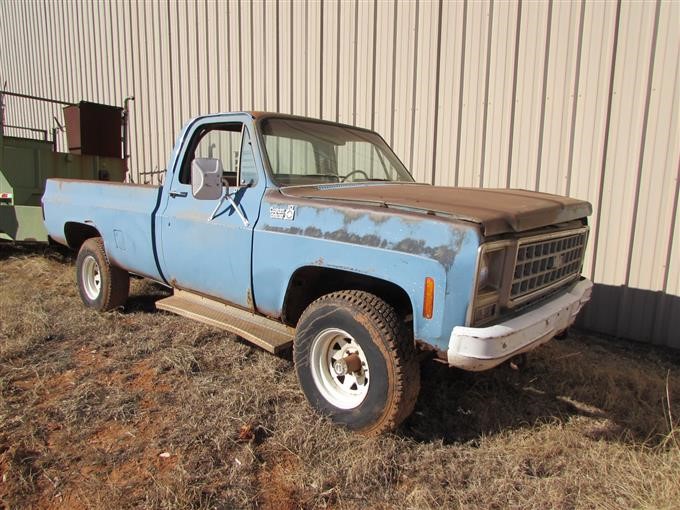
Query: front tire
356,363
101,285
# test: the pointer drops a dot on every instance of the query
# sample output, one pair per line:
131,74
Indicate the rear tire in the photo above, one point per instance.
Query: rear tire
356,362
101,285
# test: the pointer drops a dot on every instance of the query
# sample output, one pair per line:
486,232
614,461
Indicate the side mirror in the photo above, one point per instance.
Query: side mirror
206,178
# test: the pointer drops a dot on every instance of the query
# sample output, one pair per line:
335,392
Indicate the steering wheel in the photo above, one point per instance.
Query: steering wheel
343,179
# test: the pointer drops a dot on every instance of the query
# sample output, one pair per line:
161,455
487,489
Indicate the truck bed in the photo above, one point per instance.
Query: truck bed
122,213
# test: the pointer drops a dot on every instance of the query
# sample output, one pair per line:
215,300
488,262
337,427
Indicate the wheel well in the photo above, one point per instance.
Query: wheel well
310,283
77,233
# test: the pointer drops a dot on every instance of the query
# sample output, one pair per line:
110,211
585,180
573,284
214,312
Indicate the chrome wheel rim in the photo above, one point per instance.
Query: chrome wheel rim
91,277
329,349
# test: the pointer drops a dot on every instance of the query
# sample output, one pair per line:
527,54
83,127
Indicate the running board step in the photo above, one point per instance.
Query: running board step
266,333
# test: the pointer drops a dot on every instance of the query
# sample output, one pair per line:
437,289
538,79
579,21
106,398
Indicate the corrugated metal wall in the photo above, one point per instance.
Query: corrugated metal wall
578,98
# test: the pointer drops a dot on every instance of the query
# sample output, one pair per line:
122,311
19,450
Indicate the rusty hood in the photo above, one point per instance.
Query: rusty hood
497,211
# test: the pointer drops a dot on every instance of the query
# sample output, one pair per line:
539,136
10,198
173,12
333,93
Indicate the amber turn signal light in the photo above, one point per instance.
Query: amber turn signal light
428,298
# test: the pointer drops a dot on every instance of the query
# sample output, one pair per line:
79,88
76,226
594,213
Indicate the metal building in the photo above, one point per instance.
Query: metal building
578,98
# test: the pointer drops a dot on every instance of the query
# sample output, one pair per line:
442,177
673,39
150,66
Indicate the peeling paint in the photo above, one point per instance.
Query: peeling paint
371,229
445,254
313,232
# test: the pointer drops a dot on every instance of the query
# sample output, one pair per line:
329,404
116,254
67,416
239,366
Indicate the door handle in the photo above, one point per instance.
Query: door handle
175,194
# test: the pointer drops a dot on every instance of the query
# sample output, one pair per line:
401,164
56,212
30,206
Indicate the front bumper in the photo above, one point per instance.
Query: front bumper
483,348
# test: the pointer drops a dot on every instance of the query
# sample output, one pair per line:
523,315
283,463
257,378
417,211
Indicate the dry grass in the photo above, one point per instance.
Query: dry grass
144,409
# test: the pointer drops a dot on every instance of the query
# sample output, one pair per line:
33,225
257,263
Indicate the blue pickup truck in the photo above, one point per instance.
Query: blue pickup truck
291,231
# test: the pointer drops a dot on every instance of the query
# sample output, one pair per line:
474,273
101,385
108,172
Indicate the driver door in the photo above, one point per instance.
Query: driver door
213,256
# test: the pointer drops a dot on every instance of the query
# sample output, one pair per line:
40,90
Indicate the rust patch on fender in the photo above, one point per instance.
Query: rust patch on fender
347,237
369,222
313,232
284,230
445,253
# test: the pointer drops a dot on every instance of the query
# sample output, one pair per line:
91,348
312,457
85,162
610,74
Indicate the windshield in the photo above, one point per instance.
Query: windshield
306,152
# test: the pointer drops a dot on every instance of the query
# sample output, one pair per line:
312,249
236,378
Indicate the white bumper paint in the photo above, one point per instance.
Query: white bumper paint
483,348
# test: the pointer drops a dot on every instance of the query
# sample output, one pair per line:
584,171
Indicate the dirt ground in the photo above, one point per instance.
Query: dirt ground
139,408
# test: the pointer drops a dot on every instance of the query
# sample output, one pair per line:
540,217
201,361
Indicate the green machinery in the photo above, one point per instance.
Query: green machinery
97,149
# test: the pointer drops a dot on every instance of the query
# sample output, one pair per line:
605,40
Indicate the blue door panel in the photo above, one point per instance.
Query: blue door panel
212,257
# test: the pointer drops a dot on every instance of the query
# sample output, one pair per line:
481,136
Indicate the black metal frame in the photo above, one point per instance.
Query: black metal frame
45,132
3,93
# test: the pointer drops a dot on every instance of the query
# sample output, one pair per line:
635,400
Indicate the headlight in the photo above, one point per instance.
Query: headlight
491,270
489,283
483,271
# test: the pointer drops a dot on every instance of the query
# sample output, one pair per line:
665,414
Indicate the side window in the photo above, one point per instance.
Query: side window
227,142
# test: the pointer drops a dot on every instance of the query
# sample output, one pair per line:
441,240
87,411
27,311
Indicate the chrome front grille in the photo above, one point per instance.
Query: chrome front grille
527,269
546,262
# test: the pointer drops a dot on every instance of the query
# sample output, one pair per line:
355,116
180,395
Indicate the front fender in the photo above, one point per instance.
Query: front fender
400,247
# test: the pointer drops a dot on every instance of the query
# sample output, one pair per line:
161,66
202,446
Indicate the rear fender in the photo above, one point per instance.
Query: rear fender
75,234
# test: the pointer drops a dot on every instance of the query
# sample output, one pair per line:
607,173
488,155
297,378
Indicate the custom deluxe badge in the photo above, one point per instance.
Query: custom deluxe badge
282,213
